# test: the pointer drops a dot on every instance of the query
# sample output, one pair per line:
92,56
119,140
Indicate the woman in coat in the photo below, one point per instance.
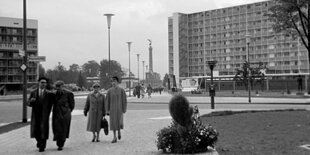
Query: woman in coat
116,106
96,111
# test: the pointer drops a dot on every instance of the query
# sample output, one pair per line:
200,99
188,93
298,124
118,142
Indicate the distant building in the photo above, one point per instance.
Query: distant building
11,41
219,34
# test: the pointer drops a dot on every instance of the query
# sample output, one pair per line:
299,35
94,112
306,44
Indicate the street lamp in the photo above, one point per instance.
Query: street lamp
109,16
25,61
212,64
138,67
248,39
129,43
143,70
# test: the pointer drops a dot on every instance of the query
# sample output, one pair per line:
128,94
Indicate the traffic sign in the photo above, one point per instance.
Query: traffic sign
21,53
37,59
23,67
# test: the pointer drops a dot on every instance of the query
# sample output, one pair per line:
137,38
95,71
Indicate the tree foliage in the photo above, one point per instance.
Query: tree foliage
165,80
91,68
291,17
257,73
115,69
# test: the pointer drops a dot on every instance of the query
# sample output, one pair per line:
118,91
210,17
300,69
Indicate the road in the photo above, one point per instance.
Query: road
11,111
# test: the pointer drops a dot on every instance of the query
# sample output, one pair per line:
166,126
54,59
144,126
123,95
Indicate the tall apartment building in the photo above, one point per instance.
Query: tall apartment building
219,35
11,41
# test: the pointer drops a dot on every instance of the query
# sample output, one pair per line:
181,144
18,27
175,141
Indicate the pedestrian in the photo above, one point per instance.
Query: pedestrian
40,100
142,90
116,107
149,90
61,119
96,111
299,82
137,90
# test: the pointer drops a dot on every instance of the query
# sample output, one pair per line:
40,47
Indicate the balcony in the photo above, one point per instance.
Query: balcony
18,46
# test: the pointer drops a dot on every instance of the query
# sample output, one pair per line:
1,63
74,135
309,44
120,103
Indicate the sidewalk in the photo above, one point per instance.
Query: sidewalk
138,137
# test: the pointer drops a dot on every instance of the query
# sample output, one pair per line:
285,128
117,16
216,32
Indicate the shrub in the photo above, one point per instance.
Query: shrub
186,133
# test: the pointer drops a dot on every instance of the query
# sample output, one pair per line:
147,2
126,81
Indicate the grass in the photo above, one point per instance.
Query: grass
257,133
242,93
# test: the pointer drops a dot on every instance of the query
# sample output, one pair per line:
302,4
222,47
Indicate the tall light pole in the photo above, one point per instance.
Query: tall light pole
248,39
212,64
109,16
143,70
138,67
25,61
129,43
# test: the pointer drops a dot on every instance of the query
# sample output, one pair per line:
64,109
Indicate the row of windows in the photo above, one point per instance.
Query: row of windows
231,10
16,31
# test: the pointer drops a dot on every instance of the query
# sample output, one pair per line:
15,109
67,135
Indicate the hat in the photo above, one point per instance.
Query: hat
96,85
59,83
116,78
42,78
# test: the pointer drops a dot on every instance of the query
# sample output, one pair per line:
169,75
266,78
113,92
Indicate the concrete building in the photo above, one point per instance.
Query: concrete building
11,41
219,34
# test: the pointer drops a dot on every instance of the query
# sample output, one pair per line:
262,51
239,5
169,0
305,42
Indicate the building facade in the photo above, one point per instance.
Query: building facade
219,35
11,41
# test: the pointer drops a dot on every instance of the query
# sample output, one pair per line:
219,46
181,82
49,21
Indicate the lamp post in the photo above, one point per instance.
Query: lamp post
248,39
109,16
138,67
129,43
212,64
143,70
25,61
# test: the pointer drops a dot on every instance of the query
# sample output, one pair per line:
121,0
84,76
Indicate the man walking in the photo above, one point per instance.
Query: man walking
40,100
63,106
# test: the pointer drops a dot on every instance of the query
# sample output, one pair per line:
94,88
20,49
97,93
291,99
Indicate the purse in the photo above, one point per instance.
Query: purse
105,126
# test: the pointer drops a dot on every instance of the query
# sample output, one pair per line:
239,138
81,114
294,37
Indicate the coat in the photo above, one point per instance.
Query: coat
41,109
61,119
96,110
116,102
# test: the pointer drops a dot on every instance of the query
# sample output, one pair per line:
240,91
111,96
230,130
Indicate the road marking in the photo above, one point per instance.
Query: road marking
159,118
306,146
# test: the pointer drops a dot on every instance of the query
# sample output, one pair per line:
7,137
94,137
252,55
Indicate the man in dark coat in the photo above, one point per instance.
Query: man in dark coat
63,106
41,102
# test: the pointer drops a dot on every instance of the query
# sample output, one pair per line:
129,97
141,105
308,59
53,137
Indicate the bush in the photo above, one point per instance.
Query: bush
186,133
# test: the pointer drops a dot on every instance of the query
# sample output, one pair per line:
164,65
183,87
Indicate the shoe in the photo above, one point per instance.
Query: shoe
114,140
97,140
119,137
41,150
59,149
93,140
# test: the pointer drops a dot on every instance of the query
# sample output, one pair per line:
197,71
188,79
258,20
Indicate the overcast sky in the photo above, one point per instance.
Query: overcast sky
75,31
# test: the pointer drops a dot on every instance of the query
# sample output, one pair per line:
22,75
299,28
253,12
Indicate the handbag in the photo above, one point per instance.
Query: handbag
105,126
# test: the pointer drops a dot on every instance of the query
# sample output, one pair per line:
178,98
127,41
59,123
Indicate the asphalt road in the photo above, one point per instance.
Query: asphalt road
11,111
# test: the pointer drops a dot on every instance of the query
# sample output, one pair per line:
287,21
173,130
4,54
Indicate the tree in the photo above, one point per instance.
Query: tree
74,68
116,70
257,74
81,80
291,17
91,68
165,80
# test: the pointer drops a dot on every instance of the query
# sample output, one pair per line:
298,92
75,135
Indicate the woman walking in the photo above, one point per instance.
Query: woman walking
96,111
116,106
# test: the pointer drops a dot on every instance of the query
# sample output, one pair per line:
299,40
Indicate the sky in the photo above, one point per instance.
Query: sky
76,31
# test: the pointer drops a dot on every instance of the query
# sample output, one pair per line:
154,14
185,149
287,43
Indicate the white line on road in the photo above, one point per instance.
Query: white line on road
158,118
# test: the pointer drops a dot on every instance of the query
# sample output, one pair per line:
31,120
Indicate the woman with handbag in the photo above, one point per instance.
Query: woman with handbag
95,108
116,100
